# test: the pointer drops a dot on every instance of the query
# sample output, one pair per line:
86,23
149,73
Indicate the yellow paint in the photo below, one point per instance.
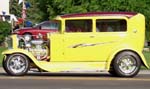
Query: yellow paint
65,56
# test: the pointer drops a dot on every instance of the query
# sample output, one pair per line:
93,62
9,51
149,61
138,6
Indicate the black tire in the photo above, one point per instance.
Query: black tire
3,63
112,72
126,64
16,64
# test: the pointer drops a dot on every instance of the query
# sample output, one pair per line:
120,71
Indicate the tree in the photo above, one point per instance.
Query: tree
47,9
15,8
34,14
5,30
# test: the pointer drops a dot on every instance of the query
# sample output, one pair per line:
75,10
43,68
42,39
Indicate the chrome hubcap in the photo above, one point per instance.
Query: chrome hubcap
17,64
127,64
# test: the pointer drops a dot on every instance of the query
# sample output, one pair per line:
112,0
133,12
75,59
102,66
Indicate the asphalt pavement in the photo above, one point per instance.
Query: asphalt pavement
95,80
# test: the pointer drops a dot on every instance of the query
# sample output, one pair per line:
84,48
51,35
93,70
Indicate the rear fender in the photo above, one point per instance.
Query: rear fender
114,53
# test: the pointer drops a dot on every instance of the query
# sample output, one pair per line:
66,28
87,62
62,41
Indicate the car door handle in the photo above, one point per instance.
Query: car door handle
92,36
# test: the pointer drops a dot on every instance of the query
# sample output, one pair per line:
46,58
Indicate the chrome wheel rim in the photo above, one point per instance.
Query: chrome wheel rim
17,64
127,64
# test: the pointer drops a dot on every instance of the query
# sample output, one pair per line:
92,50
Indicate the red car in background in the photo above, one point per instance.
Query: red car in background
42,28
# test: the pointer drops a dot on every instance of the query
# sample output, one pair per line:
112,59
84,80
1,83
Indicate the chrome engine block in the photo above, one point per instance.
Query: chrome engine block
36,46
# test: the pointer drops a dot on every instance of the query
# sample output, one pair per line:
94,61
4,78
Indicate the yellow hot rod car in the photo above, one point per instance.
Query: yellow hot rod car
94,41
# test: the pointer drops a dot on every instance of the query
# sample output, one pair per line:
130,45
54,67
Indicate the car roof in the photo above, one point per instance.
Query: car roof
90,14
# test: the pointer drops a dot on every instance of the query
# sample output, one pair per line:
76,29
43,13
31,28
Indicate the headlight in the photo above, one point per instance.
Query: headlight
27,37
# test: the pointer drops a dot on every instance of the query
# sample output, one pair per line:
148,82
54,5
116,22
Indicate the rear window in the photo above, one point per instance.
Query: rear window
111,25
50,25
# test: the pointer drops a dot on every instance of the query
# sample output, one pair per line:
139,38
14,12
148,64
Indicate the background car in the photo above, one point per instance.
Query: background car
42,28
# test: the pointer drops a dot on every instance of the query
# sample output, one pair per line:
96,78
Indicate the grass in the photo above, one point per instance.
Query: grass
147,57
146,54
1,57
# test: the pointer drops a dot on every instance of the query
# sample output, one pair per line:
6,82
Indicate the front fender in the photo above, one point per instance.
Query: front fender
22,51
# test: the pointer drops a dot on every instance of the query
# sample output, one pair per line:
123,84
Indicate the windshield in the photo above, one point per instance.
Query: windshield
49,25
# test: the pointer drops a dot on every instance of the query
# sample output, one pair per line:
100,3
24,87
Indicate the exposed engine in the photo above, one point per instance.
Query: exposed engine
38,47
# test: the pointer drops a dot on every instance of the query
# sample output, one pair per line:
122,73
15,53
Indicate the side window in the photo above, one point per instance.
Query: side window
111,25
78,25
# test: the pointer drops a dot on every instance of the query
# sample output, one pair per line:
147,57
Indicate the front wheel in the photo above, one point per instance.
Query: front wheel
16,64
127,64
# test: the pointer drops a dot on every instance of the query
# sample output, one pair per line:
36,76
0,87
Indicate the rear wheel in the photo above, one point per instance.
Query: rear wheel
126,64
16,64
112,72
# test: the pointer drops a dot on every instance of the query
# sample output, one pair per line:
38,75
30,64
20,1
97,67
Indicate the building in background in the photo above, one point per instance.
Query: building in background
4,12
4,7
